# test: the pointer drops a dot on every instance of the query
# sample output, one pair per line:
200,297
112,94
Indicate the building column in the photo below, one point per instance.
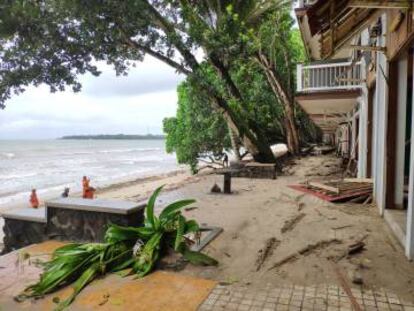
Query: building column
400,135
380,123
354,135
363,133
409,243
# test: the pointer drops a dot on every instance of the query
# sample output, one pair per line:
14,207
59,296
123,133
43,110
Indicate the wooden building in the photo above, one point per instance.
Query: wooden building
358,87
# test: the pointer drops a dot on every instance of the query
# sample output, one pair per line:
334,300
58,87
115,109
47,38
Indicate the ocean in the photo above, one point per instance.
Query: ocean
51,165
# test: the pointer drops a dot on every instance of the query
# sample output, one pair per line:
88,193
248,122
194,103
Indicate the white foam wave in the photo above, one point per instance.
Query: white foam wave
7,155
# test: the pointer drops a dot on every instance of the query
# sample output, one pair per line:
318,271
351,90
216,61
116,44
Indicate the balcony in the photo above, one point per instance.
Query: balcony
329,91
328,77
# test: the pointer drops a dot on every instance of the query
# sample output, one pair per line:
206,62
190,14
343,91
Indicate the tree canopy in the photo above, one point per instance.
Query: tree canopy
53,42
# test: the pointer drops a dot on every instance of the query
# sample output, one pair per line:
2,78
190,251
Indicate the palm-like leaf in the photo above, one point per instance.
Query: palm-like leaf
150,218
174,208
82,263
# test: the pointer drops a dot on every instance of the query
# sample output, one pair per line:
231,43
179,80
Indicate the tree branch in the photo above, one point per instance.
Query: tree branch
157,55
173,36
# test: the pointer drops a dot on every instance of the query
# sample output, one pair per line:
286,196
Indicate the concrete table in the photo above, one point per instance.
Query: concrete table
23,226
86,220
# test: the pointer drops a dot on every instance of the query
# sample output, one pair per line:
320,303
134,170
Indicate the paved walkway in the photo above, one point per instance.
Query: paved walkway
318,298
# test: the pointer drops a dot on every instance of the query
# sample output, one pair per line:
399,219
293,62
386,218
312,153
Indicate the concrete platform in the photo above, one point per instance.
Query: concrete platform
397,220
158,291
23,226
28,214
97,205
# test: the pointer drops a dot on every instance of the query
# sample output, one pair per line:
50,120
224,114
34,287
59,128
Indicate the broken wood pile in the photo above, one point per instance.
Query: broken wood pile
355,190
350,189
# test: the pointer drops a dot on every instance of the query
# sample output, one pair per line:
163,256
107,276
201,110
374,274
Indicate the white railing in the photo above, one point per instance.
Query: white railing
328,76
303,3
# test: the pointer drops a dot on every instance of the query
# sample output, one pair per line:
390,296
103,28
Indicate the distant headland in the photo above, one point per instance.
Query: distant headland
117,137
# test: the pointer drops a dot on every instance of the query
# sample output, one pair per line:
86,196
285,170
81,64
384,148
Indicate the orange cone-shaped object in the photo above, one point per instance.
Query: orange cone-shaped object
85,186
34,201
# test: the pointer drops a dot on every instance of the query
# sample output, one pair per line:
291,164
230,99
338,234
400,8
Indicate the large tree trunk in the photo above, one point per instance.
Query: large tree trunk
260,151
292,135
251,135
235,145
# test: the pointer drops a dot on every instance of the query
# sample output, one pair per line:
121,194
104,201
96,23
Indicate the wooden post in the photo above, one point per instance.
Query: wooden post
227,183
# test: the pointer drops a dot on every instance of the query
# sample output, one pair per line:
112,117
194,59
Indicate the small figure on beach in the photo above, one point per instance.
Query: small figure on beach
65,193
34,201
89,193
85,186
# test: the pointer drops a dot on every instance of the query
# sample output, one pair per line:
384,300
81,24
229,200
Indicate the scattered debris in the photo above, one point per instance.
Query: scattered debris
187,209
324,216
352,249
342,227
346,287
291,223
301,206
356,248
305,251
354,190
267,251
215,189
105,299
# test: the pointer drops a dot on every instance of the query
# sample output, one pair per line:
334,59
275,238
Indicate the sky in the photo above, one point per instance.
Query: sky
135,104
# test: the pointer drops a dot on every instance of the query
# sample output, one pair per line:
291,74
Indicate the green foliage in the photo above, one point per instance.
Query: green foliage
54,42
197,131
82,263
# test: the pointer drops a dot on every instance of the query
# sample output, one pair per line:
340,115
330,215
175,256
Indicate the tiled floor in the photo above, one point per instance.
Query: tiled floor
320,298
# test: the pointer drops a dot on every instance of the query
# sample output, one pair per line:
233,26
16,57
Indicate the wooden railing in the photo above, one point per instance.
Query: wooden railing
328,76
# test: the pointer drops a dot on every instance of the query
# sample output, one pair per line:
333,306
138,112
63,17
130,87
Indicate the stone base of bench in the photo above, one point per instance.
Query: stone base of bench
19,233
70,219
257,170
86,226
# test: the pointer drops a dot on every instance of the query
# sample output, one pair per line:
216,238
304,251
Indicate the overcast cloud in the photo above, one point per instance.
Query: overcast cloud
135,104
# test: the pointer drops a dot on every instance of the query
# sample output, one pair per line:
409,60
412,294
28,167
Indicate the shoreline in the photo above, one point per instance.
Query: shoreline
135,189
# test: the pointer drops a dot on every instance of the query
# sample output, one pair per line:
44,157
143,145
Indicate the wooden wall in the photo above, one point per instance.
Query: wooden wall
400,31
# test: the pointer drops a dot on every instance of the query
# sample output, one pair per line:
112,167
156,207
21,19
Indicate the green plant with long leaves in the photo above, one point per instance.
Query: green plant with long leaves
127,250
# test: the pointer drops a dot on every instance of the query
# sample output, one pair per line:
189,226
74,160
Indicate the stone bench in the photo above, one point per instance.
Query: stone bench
256,170
22,227
68,219
77,219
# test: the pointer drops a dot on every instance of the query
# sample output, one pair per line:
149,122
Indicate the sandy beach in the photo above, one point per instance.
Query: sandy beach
259,210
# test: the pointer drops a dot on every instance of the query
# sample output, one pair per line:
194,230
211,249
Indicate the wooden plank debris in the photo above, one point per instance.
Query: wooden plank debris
324,187
356,190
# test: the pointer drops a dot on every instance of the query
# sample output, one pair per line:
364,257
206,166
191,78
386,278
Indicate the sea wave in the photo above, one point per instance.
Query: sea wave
125,150
7,155
19,175
128,150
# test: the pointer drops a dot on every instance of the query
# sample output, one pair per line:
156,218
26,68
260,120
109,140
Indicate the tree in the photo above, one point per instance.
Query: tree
53,42
197,131
262,29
